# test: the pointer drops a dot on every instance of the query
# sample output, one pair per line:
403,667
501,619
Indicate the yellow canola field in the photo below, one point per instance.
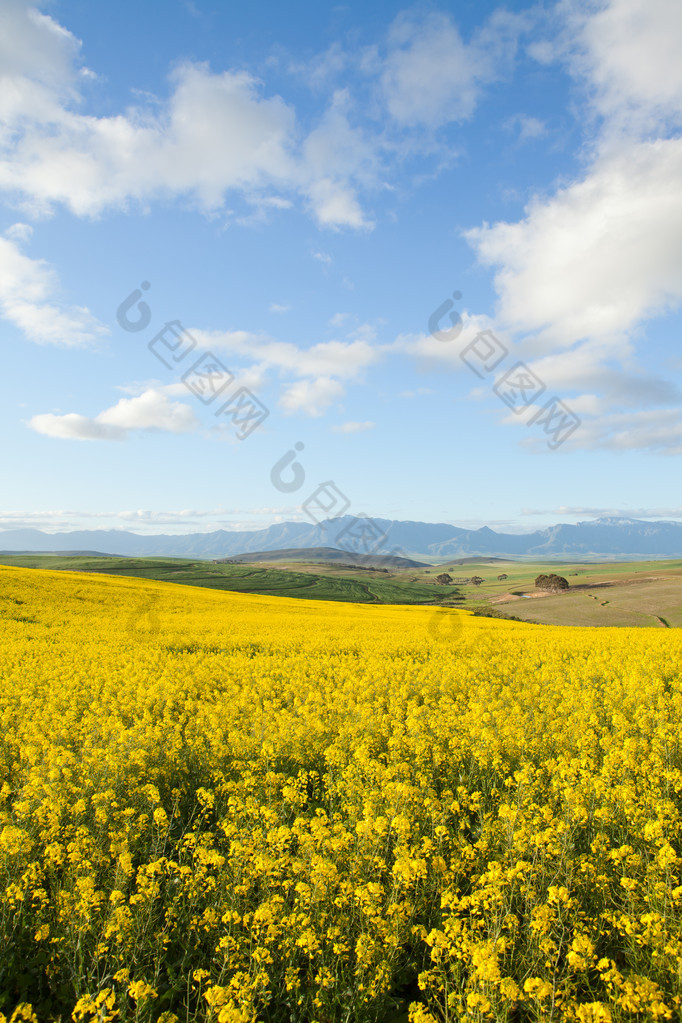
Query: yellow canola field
237,808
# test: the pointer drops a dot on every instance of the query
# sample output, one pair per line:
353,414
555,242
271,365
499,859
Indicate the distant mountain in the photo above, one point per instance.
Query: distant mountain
73,554
605,537
331,556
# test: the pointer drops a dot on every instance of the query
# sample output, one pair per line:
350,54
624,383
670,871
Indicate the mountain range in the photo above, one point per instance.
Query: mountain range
609,537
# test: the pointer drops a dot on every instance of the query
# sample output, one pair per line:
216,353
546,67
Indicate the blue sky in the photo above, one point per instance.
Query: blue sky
302,186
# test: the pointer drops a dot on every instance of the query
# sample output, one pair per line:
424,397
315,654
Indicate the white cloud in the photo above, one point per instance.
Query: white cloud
345,359
317,72
311,377
545,51
619,513
220,133
216,133
352,427
657,430
145,521
431,77
312,397
335,205
527,127
335,144
432,353
33,44
148,411
74,427
586,267
629,52
19,232
28,289
276,308
531,128
600,255
588,366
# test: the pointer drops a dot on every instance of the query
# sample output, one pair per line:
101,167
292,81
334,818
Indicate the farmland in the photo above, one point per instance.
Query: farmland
238,807
637,594
313,582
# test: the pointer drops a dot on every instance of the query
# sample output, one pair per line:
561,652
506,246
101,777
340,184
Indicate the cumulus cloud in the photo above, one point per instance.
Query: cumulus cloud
598,256
33,44
319,369
588,366
332,358
432,354
19,232
74,427
335,204
215,133
29,298
586,267
337,145
431,77
312,397
221,133
658,430
628,52
150,411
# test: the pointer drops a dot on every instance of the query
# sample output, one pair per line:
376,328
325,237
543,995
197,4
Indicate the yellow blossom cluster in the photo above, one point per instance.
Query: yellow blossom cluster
237,808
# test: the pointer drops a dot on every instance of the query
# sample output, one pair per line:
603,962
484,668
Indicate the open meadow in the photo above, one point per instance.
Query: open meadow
610,594
310,581
230,807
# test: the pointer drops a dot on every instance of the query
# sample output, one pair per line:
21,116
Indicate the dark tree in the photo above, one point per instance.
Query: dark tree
553,583
444,579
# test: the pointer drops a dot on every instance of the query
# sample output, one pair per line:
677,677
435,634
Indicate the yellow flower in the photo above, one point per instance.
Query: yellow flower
538,988
594,1012
24,1011
139,990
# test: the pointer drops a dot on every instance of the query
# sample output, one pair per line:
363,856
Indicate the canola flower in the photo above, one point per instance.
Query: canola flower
237,808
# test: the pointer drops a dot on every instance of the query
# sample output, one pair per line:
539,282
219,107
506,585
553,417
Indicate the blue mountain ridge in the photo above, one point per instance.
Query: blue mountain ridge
610,537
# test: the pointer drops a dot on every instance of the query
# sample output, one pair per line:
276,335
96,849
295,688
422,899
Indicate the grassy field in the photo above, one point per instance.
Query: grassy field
628,594
641,593
315,582
645,593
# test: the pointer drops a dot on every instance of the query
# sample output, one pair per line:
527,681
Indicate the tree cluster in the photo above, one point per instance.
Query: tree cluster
551,582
